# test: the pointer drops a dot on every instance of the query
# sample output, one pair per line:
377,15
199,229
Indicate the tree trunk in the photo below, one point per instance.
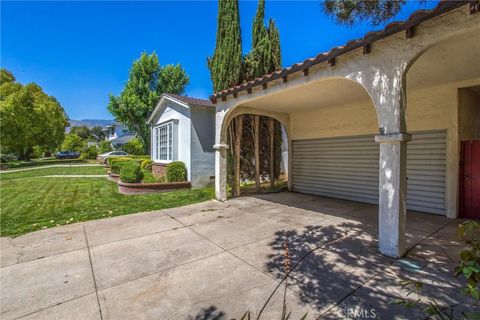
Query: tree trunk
256,146
238,139
231,149
271,131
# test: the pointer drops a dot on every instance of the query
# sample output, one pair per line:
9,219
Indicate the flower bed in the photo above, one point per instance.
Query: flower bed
136,188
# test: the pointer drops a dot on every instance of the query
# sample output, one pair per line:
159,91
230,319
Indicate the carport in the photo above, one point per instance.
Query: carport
378,120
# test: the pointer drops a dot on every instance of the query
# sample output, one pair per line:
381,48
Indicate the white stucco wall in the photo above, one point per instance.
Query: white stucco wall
182,140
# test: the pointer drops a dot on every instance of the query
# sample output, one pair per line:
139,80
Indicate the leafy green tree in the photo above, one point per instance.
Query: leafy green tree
350,12
31,120
83,132
89,153
226,63
73,142
6,76
134,147
104,147
98,133
146,83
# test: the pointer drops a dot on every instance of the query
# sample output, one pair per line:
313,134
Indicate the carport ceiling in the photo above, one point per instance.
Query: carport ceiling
313,95
452,60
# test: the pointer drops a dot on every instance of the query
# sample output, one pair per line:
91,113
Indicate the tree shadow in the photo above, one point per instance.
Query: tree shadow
210,313
347,271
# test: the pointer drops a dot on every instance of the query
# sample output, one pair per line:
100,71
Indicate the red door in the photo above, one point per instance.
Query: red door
470,179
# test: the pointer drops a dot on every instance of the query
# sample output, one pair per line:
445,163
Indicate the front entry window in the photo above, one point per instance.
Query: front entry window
164,142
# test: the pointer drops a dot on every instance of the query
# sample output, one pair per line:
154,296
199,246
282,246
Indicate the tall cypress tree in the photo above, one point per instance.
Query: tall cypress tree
226,63
259,31
274,35
265,55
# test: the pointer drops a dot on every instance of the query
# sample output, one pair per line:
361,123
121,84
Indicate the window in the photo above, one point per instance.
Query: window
164,142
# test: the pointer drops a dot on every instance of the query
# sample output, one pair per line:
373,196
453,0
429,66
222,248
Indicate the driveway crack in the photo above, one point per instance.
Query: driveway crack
93,273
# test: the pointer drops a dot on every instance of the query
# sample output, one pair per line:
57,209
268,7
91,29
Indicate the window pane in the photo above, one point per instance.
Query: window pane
164,142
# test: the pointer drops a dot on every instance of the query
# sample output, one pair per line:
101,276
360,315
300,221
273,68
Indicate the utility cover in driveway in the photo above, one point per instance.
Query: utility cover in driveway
347,168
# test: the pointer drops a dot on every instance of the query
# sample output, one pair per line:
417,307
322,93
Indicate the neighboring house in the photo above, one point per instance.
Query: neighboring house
183,129
117,134
361,119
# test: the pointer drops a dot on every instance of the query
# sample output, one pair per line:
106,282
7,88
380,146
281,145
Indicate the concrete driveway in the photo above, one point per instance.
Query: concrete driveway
218,260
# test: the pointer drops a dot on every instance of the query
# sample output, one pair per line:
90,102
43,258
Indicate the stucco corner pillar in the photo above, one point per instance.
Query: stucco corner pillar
392,193
221,171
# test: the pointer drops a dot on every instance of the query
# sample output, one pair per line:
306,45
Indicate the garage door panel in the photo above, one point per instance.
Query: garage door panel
347,168
330,176
340,195
339,183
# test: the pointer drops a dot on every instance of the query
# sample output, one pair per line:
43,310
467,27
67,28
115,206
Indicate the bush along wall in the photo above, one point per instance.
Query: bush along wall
176,172
130,172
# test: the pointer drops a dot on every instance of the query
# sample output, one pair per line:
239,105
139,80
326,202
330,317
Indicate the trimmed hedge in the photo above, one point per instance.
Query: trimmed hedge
112,160
118,165
131,172
176,172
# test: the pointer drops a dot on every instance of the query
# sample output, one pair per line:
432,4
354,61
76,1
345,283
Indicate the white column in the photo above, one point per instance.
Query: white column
392,193
221,171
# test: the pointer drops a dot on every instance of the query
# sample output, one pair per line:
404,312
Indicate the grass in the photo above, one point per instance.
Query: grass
29,202
42,162
51,171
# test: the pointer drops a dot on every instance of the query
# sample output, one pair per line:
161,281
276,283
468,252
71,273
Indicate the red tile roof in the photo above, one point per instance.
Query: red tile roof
415,19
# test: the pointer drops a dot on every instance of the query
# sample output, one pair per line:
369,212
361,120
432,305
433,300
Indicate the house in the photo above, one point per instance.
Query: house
183,129
384,119
117,134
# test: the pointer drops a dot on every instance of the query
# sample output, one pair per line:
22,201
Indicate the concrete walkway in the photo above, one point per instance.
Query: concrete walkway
217,260
51,166
75,176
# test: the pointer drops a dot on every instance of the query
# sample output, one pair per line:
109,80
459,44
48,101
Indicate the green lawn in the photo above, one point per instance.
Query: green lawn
5,175
42,162
29,202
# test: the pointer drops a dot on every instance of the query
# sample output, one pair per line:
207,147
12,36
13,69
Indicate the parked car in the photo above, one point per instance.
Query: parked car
104,157
67,155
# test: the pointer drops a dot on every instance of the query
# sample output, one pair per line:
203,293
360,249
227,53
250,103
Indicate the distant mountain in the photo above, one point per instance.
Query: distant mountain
89,123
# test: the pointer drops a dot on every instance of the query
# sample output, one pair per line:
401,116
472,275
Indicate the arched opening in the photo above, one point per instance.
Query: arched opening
257,159
330,126
443,109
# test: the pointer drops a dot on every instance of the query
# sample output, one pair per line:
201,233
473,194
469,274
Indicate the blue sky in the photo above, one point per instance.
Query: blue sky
80,52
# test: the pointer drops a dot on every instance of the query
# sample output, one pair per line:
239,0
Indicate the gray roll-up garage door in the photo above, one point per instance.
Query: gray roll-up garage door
347,168
426,166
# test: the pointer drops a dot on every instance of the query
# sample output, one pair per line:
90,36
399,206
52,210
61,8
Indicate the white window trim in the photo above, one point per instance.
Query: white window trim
170,142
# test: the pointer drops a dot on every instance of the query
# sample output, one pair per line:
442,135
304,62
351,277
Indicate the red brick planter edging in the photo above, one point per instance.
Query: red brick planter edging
135,188
113,176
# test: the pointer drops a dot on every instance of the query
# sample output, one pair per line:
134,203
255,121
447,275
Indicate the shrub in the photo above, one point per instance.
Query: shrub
131,172
148,177
89,153
176,172
104,147
118,165
146,165
134,147
139,159
113,160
